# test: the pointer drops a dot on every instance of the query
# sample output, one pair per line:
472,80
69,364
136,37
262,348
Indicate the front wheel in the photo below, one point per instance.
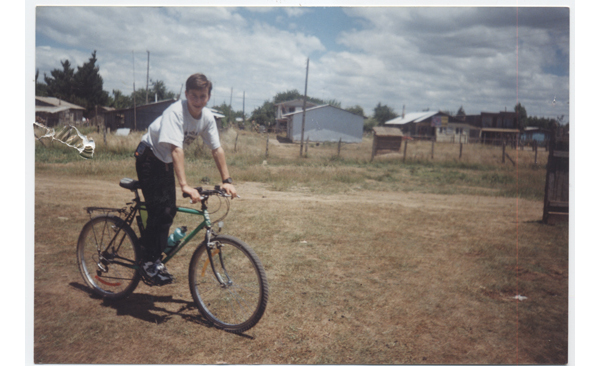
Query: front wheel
107,254
234,295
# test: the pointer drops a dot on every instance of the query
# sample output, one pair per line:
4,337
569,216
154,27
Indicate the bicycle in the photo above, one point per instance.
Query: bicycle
226,279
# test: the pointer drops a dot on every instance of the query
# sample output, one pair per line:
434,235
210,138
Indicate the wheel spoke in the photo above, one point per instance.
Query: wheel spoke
116,279
239,304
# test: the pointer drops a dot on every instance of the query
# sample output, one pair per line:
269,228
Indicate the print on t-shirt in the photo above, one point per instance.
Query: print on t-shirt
189,137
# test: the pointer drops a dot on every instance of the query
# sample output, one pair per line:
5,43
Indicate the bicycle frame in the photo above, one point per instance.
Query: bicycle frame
204,224
134,212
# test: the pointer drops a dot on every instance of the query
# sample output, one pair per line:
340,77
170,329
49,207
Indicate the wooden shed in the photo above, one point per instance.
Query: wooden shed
53,111
556,199
386,140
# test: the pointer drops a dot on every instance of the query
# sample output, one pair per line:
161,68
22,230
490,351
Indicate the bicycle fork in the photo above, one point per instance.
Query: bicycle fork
213,249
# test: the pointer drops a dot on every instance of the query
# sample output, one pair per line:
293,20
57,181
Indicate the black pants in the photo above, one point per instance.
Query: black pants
157,180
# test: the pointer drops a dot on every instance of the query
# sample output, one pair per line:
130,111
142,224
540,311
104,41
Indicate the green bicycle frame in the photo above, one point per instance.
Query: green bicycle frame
204,224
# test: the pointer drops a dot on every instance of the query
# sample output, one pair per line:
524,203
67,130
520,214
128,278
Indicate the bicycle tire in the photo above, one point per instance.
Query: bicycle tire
239,305
99,270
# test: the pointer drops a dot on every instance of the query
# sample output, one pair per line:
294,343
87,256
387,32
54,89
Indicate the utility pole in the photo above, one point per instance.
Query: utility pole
230,109
134,112
304,108
147,75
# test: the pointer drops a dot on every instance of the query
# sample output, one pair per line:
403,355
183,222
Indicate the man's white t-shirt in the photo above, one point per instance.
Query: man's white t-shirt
177,127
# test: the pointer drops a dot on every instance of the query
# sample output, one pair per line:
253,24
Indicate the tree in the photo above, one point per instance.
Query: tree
160,90
157,91
356,110
120,100
461,113
383,113
41,89
88,85
294,94
541,122
287,95
369,124
83,87
60,84
265,114
522,120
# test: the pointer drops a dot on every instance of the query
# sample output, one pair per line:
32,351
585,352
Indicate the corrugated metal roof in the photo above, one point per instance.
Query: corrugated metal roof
58,102
500,130
48,109
216,113
387,131
411,117
296,103
307,109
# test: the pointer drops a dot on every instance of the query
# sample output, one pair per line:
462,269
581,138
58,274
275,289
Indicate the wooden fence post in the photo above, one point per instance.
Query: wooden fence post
535,148
432,144
267,151
405,143
460,154
236,139
373,148
503,151
340,148
306,146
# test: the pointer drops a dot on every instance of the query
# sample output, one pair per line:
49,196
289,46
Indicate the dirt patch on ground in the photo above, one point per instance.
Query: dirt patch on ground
361,278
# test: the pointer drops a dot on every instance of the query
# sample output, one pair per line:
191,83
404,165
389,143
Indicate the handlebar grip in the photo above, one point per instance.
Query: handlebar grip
199,189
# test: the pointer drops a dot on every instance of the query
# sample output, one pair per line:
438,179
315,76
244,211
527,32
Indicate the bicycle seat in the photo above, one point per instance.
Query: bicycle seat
130,184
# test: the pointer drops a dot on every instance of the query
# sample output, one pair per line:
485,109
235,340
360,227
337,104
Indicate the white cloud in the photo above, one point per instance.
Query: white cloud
418,57
295,12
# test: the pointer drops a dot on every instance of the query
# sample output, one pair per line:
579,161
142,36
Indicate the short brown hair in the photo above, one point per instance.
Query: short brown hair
198,82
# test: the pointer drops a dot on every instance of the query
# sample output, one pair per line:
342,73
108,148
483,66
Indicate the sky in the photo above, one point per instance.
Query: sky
485,59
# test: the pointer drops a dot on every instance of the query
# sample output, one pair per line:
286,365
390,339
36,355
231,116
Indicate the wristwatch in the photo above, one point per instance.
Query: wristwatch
228,180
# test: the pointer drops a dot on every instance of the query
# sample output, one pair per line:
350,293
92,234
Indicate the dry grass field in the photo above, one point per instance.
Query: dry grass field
383,262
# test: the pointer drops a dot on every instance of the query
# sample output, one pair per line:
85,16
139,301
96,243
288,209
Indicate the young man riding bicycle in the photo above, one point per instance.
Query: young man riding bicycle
160,157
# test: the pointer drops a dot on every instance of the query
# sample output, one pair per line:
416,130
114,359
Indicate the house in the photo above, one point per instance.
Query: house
284,108
142,116
53,111
541,136
435,125
138,118
324,123
496,127
96,116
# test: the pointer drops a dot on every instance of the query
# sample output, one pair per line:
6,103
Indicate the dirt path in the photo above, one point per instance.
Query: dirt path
47,185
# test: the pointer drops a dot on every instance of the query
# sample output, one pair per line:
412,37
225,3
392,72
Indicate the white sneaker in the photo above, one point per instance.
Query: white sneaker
157,272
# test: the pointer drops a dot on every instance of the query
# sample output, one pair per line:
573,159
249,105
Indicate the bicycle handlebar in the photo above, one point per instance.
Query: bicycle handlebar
209,192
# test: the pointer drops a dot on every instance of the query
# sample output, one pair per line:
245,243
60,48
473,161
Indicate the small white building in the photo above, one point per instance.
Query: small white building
453,132
435,125
325,123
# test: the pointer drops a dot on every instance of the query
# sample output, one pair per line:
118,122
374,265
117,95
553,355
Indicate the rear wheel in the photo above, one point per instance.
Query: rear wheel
107,254
234,296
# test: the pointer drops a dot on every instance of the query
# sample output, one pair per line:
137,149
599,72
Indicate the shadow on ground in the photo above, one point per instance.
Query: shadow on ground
148,307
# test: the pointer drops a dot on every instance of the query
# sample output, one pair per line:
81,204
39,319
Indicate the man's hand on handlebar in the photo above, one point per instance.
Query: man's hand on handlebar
229,189
192,193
